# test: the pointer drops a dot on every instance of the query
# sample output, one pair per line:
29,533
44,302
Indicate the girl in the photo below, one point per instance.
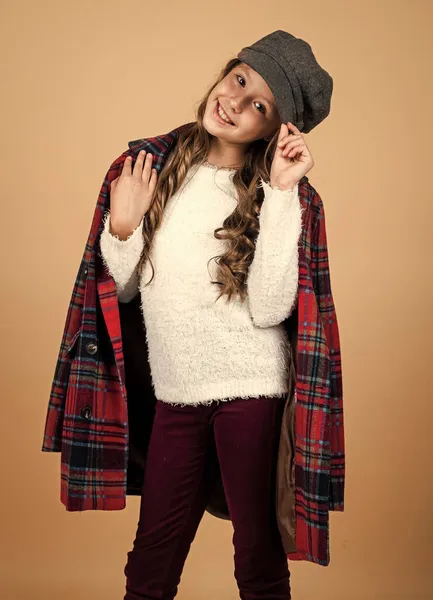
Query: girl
211,244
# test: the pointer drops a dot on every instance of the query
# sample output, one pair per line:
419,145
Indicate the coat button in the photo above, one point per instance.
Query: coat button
91,348
85,271
86,412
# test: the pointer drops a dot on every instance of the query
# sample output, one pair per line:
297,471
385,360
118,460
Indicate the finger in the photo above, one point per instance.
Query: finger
147,166
294,152
152,181
294,142
292,127
288,138
138,167
114,182
126,169
291,147
283,131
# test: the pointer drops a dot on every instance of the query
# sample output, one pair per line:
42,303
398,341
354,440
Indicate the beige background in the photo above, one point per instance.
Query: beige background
80,79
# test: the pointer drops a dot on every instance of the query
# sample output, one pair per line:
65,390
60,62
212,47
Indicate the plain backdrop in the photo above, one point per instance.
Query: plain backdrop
79,80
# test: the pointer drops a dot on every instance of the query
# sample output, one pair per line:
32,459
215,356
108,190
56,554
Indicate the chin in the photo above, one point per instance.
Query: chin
212,128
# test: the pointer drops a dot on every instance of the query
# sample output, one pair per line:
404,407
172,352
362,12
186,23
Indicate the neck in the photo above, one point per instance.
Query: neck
222,154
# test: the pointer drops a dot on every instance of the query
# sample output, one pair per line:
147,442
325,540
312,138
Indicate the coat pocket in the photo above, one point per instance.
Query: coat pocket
71,347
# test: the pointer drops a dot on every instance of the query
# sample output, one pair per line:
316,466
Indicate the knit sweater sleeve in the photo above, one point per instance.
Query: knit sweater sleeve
272,282
121,258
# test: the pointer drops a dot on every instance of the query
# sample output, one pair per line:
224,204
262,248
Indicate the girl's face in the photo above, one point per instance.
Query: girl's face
247,100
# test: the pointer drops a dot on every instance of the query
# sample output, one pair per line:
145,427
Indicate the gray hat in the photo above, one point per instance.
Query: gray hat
301,87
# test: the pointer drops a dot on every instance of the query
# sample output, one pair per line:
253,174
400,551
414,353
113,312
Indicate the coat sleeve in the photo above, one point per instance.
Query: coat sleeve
273,273
121,258
53,429
322,285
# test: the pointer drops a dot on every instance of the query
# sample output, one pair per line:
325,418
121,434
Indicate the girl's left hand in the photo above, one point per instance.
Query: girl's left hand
292,159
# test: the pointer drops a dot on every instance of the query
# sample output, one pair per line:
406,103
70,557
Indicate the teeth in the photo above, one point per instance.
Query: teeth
223,115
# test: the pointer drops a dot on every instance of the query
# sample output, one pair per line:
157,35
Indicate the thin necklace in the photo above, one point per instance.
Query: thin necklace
208,164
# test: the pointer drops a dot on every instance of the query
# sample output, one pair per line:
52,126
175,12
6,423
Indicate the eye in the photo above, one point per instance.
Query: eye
262,105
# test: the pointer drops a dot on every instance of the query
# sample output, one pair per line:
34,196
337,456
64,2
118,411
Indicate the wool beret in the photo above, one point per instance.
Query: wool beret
301,87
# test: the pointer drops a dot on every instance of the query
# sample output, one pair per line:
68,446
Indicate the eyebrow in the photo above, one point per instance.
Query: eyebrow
271,104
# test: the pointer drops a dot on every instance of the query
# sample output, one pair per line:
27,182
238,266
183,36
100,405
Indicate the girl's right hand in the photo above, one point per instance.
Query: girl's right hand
131,194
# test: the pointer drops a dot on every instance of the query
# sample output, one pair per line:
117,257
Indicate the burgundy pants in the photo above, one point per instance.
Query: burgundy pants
175,493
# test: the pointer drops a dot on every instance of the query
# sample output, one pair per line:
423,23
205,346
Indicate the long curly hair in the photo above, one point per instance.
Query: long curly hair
241,227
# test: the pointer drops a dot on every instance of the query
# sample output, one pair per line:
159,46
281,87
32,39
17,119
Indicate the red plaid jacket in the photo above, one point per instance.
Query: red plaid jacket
102,433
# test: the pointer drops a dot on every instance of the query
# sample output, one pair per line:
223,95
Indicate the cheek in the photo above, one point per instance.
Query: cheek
225,87
251,123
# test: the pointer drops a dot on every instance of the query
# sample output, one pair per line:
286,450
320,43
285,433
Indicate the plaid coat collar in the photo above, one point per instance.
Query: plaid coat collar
99,430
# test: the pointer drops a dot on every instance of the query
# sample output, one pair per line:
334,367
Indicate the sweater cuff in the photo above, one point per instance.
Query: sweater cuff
280,208
121,256
269,190
115,239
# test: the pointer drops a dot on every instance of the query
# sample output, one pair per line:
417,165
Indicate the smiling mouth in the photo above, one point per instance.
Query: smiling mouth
219,119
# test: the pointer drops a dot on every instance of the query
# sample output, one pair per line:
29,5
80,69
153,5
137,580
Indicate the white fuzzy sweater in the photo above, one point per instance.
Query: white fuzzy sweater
199,350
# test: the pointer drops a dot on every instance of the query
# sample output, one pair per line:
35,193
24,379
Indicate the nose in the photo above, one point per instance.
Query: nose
235,104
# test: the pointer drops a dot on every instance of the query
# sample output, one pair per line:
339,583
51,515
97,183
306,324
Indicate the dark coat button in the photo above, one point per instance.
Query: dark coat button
91,348
86,412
